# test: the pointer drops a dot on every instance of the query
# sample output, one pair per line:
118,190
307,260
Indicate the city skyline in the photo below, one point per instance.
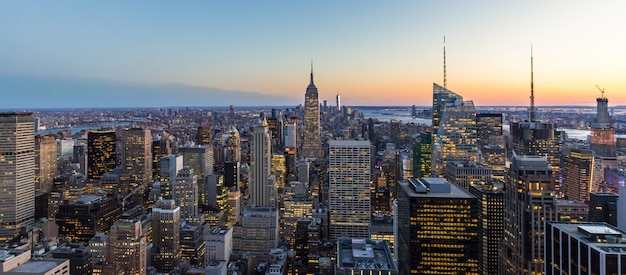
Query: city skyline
75,54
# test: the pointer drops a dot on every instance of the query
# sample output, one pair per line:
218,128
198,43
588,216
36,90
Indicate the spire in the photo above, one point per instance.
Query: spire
311,84
532,87
445,80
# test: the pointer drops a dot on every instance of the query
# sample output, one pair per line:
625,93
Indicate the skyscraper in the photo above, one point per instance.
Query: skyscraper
529,201
126,247
349,188
602,138
45,162
454,129
165,235
17,173
490,216
137,158
233,146
260,165
205,136
437,224
101,153
185,193
311,146
422,153
578,175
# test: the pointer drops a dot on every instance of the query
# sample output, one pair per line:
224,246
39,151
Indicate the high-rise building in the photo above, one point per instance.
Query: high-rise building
199,158
233,146
492,143
80,219
101,153
490,196
338,103
572,211
422,152
465,173
185,193
192,245
529,201
127,247
584,248
165,235
205,136
603,207
168,168
454,129
578,171
219,243
602,139
136,158
437,228
279,169
45,162
291,134
17,173
161,147
257,232
349,188
311,146
260,164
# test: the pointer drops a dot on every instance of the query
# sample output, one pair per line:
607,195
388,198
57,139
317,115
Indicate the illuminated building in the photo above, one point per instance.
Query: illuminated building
166,222
101,154
578,173
275,126
529,201
454,129
492,144
584,248
437,228
382,229
185,193
490,230
422,153
136,158
364,256
572,211
127,247
279,169
349,188
257,232
192,245
199,158
168,168
205,136
79,256
306,242
234,206
296,204
45,162
465,173
233,146
80,219
602,139
603,207
261,186
311,146
98,248
161,147
215,194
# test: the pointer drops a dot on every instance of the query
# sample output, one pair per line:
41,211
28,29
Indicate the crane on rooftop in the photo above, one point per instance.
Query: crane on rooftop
601,90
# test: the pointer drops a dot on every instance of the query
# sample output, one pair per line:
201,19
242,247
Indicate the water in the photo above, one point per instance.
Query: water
78,128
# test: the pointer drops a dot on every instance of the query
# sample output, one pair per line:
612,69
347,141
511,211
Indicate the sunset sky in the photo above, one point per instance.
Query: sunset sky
210,53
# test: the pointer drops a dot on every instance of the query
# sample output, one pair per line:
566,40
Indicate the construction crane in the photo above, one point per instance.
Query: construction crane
601,90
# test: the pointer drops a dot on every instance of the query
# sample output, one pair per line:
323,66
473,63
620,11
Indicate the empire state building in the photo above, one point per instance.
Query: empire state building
311,147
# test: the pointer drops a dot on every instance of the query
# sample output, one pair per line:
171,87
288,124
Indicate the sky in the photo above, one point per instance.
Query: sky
252,53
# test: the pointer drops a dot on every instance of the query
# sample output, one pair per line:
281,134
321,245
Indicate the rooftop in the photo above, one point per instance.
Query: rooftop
364,254
433,188
38,266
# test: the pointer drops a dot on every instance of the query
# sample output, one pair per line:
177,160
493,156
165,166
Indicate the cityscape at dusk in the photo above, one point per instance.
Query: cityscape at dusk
312,138
248,53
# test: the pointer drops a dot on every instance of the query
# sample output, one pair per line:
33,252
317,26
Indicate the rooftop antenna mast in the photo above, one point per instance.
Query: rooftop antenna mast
445,80
532,87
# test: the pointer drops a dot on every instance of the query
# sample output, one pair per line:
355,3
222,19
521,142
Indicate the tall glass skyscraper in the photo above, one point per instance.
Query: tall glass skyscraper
17,173
454,129
311,147
349,188
260,156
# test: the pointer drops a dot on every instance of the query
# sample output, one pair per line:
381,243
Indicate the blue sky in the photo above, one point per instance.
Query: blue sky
370,52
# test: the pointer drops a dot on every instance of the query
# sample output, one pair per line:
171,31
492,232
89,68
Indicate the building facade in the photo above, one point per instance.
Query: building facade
311,145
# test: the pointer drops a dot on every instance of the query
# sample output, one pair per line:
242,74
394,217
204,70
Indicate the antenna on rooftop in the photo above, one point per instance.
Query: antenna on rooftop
445,80
532,87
